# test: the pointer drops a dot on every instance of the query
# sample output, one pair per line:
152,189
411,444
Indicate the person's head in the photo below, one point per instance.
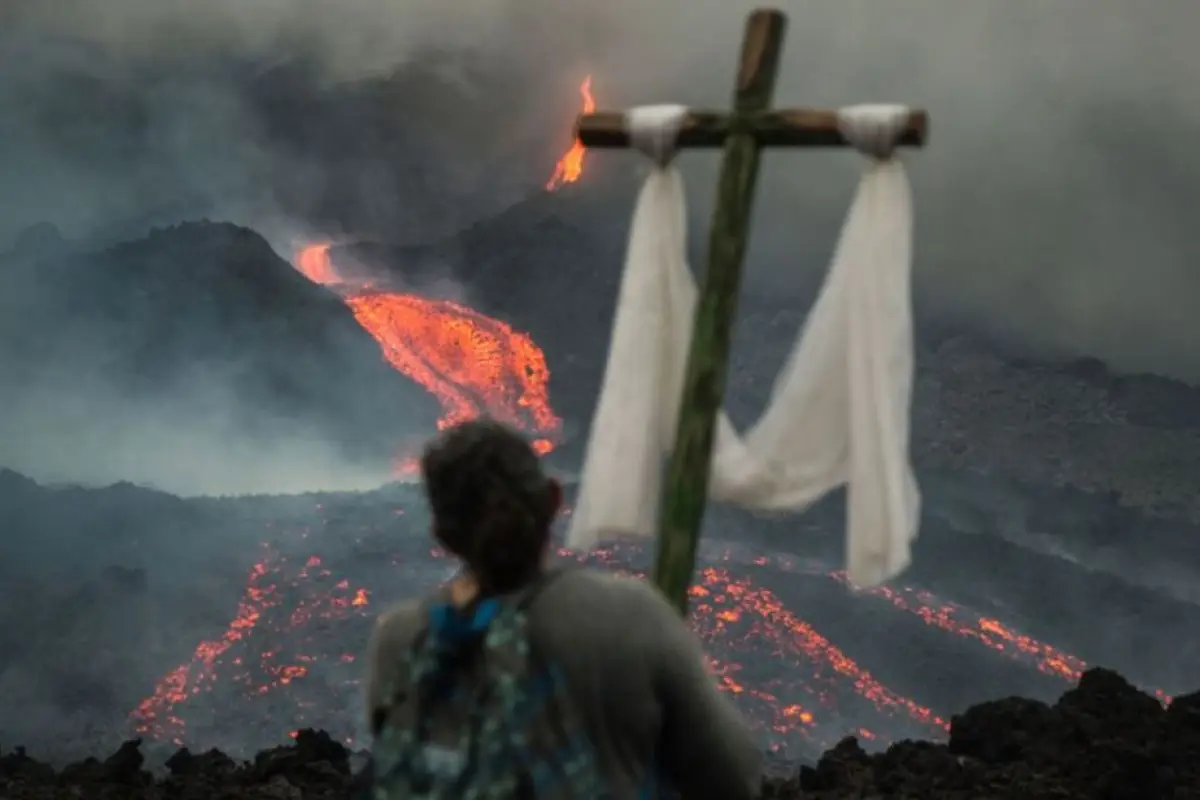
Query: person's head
492,504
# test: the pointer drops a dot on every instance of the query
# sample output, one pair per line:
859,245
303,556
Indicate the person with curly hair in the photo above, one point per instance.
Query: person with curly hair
550,681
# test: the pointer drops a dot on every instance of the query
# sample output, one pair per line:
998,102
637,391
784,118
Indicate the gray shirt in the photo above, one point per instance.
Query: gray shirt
638,675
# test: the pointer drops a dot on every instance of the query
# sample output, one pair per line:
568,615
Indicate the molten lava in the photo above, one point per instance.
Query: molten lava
570,166
473,364
285,623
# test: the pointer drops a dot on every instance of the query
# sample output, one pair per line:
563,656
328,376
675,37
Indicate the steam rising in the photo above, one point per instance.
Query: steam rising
1054,201
54,436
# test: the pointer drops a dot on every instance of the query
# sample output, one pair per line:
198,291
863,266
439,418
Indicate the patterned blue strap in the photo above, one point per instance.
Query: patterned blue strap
451,626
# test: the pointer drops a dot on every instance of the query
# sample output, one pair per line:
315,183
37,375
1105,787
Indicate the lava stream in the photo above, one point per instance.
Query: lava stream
990,632
158,714
790,637
473,364
935,612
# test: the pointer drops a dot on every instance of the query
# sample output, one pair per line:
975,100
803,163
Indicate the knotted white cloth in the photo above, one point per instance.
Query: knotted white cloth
839,411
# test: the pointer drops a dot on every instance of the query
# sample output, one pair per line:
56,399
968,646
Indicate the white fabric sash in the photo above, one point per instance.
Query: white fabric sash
839,411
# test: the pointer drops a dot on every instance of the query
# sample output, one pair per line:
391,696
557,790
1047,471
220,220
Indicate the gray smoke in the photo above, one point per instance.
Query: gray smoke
188,445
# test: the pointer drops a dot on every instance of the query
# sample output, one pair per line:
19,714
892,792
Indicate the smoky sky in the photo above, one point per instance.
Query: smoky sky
1055,201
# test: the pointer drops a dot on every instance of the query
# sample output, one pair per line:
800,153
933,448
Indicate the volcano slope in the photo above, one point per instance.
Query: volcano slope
195,337
230,622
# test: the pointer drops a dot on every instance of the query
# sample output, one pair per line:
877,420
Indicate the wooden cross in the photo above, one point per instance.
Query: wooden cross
743,133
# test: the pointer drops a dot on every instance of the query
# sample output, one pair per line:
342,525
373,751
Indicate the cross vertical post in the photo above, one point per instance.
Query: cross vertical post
685,492
742,134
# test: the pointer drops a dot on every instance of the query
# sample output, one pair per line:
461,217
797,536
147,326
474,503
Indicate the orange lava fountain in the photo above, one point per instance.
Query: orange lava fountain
472,364
570,167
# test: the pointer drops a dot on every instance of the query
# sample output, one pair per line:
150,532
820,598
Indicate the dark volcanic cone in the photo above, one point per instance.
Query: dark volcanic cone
206,318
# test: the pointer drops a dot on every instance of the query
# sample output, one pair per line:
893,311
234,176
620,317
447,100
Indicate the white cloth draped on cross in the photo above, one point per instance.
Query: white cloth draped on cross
839,411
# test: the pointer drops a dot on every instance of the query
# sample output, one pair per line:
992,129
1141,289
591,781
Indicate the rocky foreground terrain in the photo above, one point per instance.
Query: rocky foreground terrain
1102,739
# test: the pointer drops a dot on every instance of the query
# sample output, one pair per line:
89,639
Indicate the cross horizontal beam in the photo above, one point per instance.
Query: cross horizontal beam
779,128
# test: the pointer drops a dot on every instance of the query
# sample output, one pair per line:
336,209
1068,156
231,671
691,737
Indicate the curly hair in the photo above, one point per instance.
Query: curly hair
492,504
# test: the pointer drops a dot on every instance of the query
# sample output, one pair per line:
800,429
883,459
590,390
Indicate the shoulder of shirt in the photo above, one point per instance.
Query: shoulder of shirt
399,623
402,613
613,585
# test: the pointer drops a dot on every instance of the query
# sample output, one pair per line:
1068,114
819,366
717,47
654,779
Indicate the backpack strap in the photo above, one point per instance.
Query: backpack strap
447,622
451,626
400,690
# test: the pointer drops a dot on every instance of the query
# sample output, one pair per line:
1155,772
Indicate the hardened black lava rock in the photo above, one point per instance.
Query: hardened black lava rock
1103,739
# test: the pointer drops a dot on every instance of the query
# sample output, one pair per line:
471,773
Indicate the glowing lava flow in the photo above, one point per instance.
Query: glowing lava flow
991,633
721,601
157,715
471,363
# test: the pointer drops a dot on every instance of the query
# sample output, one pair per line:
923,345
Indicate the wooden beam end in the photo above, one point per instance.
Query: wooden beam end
767,18
762,45
917,132
602,129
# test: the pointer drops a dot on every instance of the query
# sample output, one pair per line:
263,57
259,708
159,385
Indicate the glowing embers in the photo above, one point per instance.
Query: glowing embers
288,656
287,602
